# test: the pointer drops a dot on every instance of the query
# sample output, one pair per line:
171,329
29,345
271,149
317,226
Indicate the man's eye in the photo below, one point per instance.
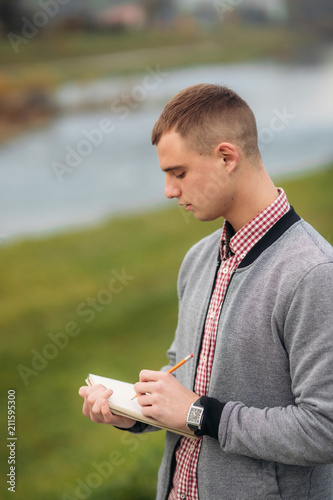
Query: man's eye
180,176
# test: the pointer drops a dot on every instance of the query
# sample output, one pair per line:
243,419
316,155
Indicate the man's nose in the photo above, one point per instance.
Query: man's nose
171,189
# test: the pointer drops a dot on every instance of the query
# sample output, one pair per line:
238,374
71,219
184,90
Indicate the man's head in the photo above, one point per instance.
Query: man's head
206,140
205,115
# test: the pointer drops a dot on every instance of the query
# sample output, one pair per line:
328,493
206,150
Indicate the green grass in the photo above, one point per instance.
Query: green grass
42,284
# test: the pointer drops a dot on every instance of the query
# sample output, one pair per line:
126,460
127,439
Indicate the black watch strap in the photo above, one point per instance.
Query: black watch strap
195,416
211,417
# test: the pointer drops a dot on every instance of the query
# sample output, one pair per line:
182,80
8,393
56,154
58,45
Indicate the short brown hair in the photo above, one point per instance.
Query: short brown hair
206,114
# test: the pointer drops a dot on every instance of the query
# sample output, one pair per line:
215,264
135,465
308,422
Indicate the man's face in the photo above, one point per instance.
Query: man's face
199,182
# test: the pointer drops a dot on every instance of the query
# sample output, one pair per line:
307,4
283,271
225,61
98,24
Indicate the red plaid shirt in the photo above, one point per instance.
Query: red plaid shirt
233,249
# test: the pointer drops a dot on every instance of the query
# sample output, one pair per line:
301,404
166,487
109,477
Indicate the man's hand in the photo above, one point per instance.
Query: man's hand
164,398
96,407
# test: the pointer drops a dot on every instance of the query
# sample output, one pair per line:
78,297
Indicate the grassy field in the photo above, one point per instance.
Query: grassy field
60,320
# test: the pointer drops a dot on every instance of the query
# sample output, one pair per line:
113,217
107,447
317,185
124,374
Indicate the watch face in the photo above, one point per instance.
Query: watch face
195,415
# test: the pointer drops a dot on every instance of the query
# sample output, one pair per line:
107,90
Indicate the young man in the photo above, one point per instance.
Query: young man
255,308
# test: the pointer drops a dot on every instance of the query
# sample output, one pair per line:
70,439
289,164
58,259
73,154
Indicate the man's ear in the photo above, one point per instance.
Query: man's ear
229,154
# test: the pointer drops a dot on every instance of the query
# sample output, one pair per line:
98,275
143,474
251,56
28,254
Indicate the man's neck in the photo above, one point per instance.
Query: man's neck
256,193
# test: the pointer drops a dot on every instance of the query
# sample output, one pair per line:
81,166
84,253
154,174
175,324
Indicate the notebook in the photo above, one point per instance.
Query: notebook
121,403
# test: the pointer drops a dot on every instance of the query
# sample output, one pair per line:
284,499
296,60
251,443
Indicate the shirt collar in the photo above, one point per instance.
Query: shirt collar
240,243
227,233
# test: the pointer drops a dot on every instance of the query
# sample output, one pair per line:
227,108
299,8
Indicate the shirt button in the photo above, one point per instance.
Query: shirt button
243,255
225,270
192,448
182,496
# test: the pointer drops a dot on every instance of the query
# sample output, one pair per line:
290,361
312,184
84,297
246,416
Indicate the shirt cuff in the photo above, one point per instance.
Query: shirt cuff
211,418
136,428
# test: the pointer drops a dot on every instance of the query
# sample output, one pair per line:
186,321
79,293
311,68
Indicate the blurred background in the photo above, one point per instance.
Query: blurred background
89,248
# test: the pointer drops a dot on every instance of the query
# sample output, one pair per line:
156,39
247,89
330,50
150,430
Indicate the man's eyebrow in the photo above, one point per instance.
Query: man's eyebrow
169,169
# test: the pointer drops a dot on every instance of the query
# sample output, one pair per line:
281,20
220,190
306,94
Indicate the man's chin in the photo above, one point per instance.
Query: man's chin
204,217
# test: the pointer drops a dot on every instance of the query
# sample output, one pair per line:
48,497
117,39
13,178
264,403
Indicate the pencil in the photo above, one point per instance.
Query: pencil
180,363
175,367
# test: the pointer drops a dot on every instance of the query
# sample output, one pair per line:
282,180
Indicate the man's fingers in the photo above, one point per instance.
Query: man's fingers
83,391
93,396
96,407
105,411
96,397
152,382
149,376
145,400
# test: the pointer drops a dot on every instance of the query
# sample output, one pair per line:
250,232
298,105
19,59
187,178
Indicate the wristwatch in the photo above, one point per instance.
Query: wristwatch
195,416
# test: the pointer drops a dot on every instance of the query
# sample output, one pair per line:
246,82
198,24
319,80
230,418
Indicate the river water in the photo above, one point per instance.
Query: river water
88,165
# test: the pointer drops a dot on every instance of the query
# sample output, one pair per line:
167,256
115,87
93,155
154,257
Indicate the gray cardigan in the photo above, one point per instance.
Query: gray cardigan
273,367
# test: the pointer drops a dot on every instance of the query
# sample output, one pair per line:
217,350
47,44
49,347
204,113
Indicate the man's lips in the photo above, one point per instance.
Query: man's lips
187,206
